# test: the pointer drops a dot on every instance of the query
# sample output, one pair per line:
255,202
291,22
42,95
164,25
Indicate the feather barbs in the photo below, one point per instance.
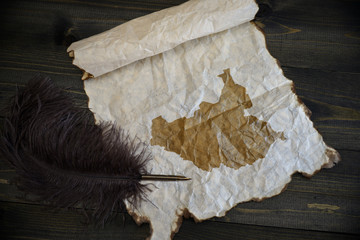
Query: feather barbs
65,159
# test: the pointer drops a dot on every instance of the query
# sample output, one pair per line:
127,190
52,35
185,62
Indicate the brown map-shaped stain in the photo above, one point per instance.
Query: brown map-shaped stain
217,133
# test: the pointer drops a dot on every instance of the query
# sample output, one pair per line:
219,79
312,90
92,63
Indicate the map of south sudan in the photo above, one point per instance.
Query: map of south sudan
218,132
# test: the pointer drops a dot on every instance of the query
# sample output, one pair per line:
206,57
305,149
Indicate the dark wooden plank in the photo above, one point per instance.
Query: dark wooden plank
26,221
8,90
313,34
215,230
298,210
329,201
327,86
19,221
334,99
89,17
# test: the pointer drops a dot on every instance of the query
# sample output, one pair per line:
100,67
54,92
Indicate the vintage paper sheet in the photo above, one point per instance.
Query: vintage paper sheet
198,86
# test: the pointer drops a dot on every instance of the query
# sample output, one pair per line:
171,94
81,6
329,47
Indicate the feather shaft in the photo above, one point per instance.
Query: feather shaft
154,177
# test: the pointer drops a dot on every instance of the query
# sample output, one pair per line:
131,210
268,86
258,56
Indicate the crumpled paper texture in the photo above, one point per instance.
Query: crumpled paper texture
173,83
155,33
217,133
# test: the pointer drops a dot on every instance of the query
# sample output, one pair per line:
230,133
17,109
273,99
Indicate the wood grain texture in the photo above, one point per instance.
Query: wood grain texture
318,46
26,221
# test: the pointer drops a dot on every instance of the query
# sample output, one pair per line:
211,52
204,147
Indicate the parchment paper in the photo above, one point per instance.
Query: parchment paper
199,87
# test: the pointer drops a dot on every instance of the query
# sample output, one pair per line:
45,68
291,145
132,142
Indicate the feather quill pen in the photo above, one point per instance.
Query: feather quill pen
65,159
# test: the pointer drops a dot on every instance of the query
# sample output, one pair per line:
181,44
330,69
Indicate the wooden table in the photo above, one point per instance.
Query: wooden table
318,46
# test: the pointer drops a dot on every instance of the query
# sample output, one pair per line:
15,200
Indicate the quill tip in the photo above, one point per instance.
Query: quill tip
164,178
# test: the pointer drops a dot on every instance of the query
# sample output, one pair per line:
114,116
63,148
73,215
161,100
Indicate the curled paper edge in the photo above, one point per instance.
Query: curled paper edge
152,34
85,75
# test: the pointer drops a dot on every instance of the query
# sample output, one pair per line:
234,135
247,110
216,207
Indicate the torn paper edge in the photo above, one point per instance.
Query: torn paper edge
332,155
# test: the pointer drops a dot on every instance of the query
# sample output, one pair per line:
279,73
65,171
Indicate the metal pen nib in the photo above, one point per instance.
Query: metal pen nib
164,178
